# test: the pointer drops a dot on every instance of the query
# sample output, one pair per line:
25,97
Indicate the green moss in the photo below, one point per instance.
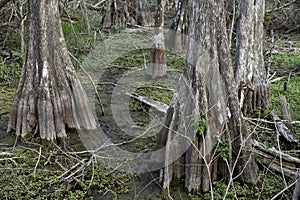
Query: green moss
9,74
140,57
285,62
175,61
292,95
156,93
133,59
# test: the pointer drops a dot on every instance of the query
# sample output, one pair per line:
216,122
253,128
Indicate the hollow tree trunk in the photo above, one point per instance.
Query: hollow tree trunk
157,66
127,12
196,119
249,69
49,96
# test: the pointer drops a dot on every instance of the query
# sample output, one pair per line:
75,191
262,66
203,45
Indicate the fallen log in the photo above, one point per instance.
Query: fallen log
160,107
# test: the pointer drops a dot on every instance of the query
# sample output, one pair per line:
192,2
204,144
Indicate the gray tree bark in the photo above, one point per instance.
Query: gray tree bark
49,97
249,69
176,38
296,193
157,66
204,111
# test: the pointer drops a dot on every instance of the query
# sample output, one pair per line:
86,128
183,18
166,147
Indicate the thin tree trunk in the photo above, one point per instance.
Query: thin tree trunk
49,96
157,66
179,25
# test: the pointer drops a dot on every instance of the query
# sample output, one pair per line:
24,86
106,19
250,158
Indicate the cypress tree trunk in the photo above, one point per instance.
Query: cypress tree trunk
249,69
49,96
157,66
204,112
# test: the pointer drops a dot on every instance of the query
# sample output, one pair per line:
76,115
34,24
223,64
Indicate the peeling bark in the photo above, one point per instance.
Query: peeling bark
49,96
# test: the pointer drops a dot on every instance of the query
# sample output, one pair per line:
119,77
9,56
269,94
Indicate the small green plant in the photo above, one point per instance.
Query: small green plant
200,123
266,144
175,61
224,149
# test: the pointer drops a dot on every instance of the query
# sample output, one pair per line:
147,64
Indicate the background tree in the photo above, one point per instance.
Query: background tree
122,12
157,66
179,24
197,114
49,96
283,16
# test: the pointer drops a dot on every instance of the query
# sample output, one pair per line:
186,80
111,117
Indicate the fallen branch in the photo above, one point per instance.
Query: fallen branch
5,154
161,107
277,160
276,79
95,7
281,7
276,153
268,121
283,130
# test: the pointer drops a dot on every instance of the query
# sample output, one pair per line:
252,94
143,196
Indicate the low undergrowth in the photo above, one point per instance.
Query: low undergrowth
269,185
41,173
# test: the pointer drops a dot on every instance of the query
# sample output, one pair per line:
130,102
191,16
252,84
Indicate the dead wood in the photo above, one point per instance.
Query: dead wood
283,130
277,160
276,79
285,108
276,153
296,193
161,107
